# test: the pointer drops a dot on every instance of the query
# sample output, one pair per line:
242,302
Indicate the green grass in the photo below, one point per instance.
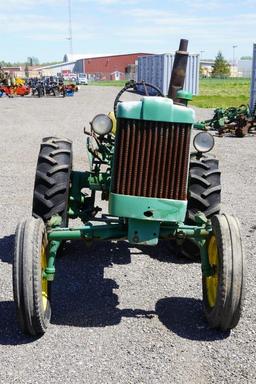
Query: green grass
224,93
109,83
214,93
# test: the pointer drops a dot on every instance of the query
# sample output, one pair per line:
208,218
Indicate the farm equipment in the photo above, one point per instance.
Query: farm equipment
22,90
47,87
157,189
7,90
11,86
15,90
237,121
70,89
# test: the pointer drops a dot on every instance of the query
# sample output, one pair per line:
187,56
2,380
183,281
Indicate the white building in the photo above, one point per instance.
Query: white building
55,69
245,67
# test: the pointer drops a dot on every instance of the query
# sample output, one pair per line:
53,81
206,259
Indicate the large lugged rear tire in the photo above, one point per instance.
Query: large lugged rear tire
204,195
52,179
204,188
31,290
223,292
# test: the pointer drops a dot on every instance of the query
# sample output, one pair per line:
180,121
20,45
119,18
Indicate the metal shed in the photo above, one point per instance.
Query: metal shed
253,80
156,69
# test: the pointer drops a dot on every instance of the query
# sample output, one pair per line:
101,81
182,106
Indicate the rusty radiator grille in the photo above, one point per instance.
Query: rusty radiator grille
151,159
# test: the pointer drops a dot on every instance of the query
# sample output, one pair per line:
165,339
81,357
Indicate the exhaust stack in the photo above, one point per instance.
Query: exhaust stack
179,70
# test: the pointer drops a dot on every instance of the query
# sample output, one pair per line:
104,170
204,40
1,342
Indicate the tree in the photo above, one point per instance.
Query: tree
221,67
246,58
33,60
26,71
201,70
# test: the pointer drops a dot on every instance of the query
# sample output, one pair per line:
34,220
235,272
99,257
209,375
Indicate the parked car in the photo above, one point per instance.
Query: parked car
82,79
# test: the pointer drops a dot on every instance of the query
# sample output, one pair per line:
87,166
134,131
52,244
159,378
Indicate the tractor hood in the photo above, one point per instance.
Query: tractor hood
155,108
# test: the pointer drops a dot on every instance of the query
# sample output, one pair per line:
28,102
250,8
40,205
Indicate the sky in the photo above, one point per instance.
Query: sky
40,28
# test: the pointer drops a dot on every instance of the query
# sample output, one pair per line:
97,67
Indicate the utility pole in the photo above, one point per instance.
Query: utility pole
234,57
70,37
201,54
234,47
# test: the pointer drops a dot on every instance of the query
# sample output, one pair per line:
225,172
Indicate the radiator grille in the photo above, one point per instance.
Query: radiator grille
151,159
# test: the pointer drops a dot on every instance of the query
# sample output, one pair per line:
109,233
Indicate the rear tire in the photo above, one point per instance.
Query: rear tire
51,189
204,188
204,195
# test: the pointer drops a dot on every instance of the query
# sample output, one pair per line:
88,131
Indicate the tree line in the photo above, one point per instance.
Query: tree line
30,61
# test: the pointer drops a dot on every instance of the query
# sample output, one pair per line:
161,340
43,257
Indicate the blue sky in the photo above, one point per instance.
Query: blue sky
40,27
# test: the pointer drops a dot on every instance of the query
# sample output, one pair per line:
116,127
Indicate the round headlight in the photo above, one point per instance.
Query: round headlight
102,124
203,142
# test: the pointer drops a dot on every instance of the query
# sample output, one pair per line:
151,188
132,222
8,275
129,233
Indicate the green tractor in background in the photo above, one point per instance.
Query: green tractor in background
156,187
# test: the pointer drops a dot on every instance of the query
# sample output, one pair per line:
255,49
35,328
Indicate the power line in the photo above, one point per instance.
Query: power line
70,37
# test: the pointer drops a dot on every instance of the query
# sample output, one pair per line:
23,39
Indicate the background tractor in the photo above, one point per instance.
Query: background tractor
156,186
237,121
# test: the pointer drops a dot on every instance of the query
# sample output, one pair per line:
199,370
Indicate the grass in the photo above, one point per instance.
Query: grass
224,93
214,93
109,83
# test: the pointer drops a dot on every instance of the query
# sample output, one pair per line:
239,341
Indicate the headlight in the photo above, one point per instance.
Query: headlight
102,124
203,142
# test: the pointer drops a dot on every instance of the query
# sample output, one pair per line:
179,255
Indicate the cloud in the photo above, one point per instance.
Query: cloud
161,21
14,6
112,2
201,5
31,22
133,25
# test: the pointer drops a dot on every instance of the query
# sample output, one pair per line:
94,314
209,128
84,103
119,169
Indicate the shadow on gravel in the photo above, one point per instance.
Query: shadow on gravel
184,316
82,296
165,251
9,331
6,248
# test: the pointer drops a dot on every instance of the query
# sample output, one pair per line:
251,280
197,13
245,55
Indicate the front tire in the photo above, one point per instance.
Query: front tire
32,293
223,292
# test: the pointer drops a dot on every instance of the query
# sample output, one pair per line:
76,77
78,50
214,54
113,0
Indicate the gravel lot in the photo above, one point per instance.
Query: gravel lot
120,314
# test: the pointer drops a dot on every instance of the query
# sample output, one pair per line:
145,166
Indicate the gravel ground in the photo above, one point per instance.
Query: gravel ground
120,314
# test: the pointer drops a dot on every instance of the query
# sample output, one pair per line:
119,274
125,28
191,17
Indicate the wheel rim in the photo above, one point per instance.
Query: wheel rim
212,281
44,280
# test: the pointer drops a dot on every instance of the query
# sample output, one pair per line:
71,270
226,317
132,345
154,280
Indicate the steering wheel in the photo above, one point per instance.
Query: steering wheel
133,85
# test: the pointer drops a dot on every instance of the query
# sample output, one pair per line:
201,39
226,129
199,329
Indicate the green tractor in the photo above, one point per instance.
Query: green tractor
157,188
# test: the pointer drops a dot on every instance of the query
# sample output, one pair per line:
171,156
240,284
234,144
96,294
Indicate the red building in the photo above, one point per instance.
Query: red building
111,67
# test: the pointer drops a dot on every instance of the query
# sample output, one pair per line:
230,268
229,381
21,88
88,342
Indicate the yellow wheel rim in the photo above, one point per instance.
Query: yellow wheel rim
44,281
212,281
